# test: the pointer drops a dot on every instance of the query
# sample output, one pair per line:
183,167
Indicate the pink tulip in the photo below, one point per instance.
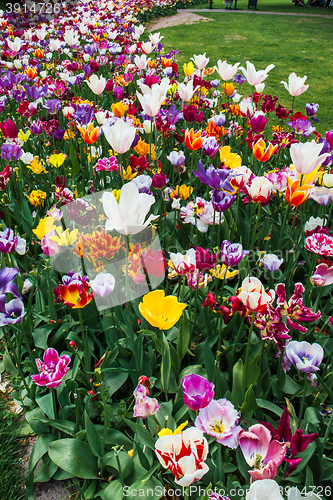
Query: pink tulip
144,405
52,369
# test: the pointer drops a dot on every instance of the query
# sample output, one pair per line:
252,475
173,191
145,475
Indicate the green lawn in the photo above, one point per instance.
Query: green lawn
285,6
299,44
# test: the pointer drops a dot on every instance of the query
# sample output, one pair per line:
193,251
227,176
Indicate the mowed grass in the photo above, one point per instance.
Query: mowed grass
285,6
299,44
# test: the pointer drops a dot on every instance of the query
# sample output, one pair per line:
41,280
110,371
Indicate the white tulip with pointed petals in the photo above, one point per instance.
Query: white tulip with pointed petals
255,77
155,38
186,91
128,216
306,156
200,61
152,98
141,61
120,136
15,46
226,71
265,489
96,85
295,85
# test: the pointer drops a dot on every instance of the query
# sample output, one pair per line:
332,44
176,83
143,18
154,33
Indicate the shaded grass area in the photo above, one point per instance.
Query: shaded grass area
285,6
292,44
11,476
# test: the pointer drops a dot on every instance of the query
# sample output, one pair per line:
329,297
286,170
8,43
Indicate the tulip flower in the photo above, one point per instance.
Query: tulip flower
226,71
296,194
89,134
184,455
12,312
260,189
128,216
271,262
323,275
232,253
120,136
220,420
321,195
306,156
52,369
9,129
160,311
197,391
193,140
186,91
184,264
14,45
294,309
200,61
141,61
204,260
321,244
261,451
154,263
295,85
306,357
297,442
96,85
253,295
144,405
153,97
266,489
255,77
262,152
103,285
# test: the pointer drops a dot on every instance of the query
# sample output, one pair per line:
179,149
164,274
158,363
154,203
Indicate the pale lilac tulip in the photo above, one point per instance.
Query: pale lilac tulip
255,77
197,391
103,285
306,357
321,195
52,369
226,71
120,136
220,420
271,262
295,85
306,156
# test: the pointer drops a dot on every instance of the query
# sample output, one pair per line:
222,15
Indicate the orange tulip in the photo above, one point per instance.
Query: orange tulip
39,53
263,153
89,134
295,194
119,109
193,140
230,88
96,38
166,62
31,72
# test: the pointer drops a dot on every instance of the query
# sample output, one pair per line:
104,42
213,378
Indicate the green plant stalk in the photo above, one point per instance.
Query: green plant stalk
105,430
85,344
248,351
254,237
300,416
18,363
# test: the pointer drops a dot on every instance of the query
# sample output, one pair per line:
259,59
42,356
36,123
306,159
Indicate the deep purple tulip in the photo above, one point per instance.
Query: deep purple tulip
84,114
306,357
14,312
221,200
159,181
239,78
52,369
7,285
258,124
311,110
204,260
232,253
210,146
214,178
34,92
197,392
59,134
118,93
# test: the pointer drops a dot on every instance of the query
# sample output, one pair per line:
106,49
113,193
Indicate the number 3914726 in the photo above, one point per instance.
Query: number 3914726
34,7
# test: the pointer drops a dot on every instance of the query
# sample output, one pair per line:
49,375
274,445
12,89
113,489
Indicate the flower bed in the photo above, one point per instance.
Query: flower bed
166,264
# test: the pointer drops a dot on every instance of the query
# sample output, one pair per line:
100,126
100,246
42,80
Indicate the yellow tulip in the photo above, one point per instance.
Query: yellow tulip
36,166
128,174
188,69
160,311
57,160
44,227
169,432
230,160
24,136
65,238
219,272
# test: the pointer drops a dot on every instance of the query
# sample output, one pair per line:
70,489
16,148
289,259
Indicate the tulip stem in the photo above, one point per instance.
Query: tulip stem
18,363
302,403
236,220
248,352
85,343
256,227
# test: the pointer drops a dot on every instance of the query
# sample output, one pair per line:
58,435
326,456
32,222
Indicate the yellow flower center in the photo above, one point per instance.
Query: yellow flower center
218,427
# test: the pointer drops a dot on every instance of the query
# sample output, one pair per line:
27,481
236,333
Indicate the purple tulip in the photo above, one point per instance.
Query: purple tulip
311,110
306,357
215,83
271,262
13,312
210,146
232,253
221,200
52,106
143,183
84,114
218,120
52,369
59,134
103,285
11,152
197,392
118,93
329,138
177,158
301,126
35,92
8,241
220,420
258,124
7,285
214,178
36,128
326,149
239,78
159,180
